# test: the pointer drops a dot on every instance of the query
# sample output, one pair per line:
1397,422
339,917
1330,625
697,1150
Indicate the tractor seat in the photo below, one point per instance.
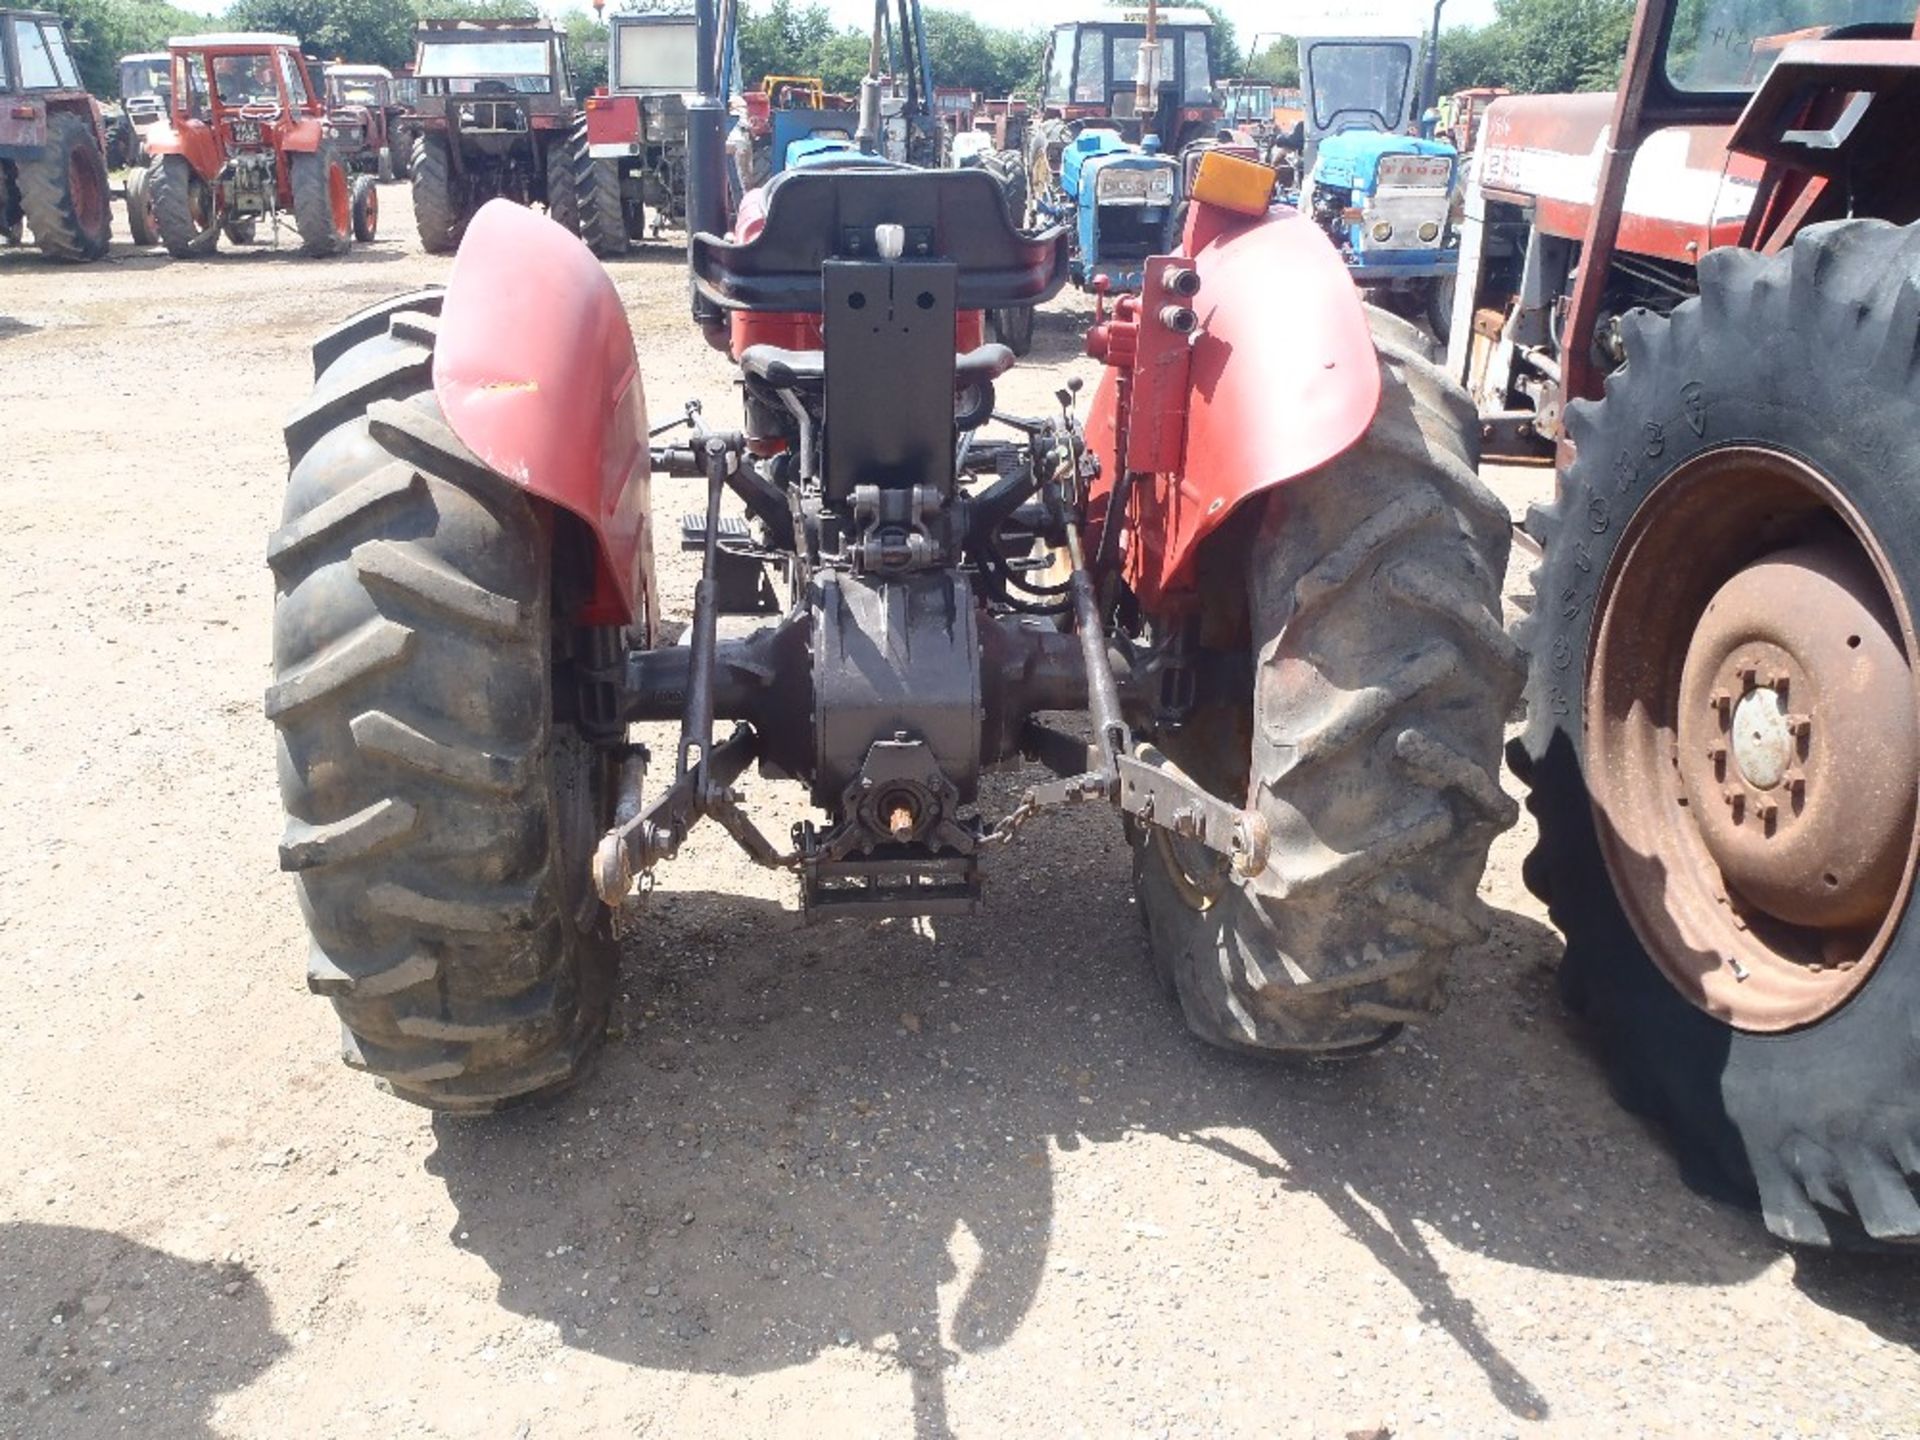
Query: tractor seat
828,212
784,369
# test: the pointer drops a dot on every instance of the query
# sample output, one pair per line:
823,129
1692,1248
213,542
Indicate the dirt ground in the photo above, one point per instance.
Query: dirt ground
970,1178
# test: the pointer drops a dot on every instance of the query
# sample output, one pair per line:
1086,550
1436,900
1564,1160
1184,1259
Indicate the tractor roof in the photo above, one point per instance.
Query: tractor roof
1175,18
361,72
144,55
233,40
482,29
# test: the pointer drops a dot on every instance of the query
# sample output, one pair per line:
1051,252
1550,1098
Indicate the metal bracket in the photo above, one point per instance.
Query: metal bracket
1157,792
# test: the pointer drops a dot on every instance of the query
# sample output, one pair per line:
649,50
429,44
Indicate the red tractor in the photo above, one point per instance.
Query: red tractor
1280,621
246,140
53,167
371,129
1699,294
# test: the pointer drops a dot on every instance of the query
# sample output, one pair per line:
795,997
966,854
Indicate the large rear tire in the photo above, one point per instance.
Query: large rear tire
64,193
141,225
322,203
184,208
440,820
1780,1050
1383,681
596,188
436,210
1013,327
563,197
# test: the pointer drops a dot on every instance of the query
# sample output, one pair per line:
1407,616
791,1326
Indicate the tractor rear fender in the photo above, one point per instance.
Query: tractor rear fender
304,135
535,371
195,140
1282,378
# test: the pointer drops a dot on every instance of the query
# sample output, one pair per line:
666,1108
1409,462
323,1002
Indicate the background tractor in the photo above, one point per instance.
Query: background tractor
637,128
1384,196
1260,575
53,167
246,140
1699,293
497,117
371,129
146,91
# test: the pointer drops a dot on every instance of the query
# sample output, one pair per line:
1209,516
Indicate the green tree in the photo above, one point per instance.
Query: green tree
1472,56
103,30
369,32
1277,62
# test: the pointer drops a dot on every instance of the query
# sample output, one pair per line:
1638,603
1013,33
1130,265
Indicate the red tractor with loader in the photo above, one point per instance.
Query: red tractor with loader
1701,296
1278,621
246,140
53,166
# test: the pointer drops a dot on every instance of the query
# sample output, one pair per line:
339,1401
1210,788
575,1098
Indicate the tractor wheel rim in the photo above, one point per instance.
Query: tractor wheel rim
339,199
88,190
1750,677
373,209
201,207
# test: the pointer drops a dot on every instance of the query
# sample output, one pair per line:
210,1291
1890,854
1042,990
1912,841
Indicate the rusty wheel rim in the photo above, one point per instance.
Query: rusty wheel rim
340,198
1752,737
87,185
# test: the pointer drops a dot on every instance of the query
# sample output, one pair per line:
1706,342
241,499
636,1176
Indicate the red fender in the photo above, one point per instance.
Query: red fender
303,135
1283,378
194,140
535,371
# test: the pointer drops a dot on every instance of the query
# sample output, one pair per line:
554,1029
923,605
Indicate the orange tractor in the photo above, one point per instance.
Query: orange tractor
1702,296
246,139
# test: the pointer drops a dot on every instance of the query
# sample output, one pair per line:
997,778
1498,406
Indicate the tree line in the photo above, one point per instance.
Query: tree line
1531,45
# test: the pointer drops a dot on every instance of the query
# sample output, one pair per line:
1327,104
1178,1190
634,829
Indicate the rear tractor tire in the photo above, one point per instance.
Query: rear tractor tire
1383,681
563,195
366,208
184,208
1723,735
322,203
383,165
63,192
439,818
436,206
596,189
141,225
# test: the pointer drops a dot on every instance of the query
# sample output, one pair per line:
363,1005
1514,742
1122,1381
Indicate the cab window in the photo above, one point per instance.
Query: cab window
1060,67
36,61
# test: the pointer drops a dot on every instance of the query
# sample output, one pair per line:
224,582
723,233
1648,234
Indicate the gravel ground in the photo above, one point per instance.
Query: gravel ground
965,1178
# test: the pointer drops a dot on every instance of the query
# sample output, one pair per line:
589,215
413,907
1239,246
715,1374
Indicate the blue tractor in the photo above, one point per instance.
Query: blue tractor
1385,196
1121,200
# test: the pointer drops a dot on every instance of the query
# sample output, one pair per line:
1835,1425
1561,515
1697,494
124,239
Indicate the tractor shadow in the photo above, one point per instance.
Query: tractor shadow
100,1328
792,1127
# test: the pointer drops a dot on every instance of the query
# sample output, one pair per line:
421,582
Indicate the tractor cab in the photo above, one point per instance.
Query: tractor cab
146,88
1094,68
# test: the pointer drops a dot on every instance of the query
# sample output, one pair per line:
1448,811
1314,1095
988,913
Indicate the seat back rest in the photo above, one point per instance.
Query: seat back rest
890,374
814,216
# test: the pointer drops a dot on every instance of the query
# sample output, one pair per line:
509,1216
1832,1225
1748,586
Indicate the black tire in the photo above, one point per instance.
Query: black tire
1010,169
1013,327
141,225
1439,299
563,198
322,203
383,165
183,208
366,208
243,231
440,819
1819,1125
13,224
596,190
1383,681
63,192
436,209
